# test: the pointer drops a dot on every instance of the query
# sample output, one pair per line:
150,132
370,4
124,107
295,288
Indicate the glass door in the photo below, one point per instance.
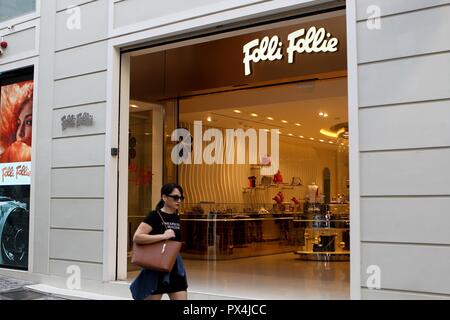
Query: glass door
149,165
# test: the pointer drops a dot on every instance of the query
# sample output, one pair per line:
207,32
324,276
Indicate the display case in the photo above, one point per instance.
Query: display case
323,232
217,231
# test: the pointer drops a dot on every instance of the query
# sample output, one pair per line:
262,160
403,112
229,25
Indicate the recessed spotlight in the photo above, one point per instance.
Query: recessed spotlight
284,121
342,144
321,140
279,132
209,119
254,115
298,124
237,111
311,138
290,134
134,106
321,114
301,137
325,115
269,118
331,142
266,130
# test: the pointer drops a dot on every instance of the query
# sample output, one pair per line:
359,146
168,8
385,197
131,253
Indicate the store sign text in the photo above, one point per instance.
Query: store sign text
301,41
81,119
17,173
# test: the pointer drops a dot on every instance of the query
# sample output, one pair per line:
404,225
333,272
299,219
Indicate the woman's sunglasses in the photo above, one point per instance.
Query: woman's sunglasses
176,197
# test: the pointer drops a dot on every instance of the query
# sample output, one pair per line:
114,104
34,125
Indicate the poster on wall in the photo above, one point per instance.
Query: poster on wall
16,113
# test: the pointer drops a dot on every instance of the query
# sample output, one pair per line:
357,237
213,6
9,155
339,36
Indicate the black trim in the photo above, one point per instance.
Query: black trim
17,75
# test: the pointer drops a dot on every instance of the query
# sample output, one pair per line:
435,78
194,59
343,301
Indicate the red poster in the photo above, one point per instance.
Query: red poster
16,113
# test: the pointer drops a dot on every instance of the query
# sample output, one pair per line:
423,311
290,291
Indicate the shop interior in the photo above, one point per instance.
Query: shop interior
246,233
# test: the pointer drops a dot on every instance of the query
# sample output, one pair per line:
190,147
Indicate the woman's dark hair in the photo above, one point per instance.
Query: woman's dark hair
166,190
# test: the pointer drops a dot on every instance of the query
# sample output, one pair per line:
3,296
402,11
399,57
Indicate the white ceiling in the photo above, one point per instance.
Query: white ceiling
294,103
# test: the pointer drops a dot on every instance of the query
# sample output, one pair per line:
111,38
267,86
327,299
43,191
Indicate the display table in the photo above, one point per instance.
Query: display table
228,236
323,236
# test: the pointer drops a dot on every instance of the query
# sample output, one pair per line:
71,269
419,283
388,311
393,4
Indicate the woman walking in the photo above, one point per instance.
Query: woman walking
151,285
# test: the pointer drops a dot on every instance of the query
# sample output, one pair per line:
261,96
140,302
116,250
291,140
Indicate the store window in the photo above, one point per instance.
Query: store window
13,9
263,158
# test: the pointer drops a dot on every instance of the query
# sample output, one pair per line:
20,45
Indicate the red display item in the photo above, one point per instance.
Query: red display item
278,178
4,44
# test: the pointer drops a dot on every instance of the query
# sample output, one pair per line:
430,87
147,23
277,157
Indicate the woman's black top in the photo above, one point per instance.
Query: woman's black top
172,221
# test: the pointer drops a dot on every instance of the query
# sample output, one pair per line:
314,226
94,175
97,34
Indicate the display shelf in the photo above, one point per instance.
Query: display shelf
323,256
273,186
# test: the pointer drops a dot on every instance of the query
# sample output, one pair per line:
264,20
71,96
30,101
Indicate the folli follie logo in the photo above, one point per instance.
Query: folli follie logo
302,41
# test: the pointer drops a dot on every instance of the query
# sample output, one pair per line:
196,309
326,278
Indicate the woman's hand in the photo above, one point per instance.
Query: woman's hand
169,234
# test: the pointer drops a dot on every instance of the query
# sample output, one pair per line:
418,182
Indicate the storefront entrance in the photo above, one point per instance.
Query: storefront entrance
261,151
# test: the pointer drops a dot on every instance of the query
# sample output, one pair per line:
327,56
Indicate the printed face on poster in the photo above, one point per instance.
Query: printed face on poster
16,114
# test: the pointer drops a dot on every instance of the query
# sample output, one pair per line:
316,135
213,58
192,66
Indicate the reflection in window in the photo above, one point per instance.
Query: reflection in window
13,9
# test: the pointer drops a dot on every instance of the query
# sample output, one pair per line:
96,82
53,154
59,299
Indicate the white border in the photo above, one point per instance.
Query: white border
111,166
10,67
353,112
123,169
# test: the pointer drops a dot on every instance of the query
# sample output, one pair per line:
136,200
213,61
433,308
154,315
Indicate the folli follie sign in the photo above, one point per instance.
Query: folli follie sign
300,42
293,51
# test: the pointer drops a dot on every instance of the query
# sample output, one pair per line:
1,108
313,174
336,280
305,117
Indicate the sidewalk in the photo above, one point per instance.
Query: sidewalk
13,289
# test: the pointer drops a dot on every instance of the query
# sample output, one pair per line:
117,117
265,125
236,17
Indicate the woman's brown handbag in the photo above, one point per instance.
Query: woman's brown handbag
158,256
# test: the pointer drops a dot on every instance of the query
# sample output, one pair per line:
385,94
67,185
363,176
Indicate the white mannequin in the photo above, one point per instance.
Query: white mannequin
313,192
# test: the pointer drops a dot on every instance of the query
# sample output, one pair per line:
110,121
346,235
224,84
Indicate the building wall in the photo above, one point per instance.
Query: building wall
68,195
404,123
404,90
78,157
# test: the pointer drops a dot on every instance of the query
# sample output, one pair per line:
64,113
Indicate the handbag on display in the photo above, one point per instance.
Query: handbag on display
296,181
266,181
158,256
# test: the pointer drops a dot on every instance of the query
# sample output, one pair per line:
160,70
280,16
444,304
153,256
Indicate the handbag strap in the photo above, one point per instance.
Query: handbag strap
163,222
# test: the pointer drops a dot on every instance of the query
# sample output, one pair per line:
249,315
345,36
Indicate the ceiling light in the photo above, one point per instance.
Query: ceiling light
311,138
301,137
330,134
266,130
325,115
134,106
269,118
298,124
254,115
147,134
290,134
321,114
279,132
331,142
237,111
284,121
321,140
209,119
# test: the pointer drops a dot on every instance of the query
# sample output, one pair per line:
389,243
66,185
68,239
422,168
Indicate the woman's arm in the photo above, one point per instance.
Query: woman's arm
142,236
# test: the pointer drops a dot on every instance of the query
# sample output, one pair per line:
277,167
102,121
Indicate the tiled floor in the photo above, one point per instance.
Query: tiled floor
281,276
